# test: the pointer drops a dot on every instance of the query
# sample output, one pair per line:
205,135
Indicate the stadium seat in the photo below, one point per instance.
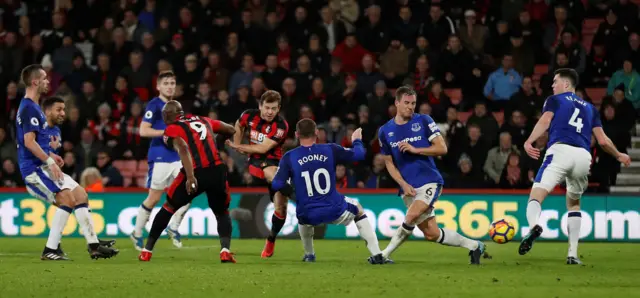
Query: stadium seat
455,95
258,68
127,182
118,164
590,26
596,92
587,40
141,181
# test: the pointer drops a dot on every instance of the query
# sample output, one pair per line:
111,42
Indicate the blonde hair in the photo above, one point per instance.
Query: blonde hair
89,176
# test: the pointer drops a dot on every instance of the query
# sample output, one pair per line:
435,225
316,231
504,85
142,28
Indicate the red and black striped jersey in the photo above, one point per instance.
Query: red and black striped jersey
198,133
260,129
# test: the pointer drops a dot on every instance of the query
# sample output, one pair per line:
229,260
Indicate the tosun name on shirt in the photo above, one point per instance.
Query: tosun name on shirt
308,158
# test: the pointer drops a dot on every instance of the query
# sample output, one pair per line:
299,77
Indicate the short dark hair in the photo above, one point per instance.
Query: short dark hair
306,128
569,74
49,102
404,90
270,96
165,75
29,72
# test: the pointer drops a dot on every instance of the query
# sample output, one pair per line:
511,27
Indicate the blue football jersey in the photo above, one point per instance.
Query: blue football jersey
44,138
417,170
573,120
313,172
30,119
158,151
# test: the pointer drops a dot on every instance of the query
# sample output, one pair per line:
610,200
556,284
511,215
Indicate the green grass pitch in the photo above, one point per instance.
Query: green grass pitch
422,269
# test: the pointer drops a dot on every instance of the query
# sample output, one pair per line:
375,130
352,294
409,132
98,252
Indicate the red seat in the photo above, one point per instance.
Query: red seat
143,165
596,92
141,182
455,95
118,164
130,165
127,182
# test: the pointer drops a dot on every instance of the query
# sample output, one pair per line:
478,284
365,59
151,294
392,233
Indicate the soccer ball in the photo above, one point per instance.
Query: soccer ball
501,231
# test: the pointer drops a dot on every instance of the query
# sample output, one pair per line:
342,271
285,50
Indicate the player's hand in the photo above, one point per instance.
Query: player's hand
192,185
56,173
624,159
357,135
408,190
406,147
58,159
55,142
532,151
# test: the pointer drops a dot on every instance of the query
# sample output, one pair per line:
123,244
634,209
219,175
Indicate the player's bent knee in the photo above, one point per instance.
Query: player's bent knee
65,198
80,195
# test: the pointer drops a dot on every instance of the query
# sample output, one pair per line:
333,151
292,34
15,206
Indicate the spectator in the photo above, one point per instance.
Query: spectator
523,55
517,128
465,176
79,74
364,122
514,175
439,101
273,74
630,51
497,157
346,11
318,55
350,100
612,32
422,48
474,146
618,131
374,34
105,127
191,76
105,32
472,34
369,76
487,123
63,56
378,103
244,75
343,178
216,75
132,146
562,61
233,173
291,100
147,17
624,112
70,168
10,176
455,130
89,100
526,100
335,82
284,53
121,97
577,54
303,75
627,11
7,147
630,79
456,64
204,101
91,180
224,108
438,27
299,30
35,51
599,66
10,105
138,76
502,84
378,177
162,35
350,53
53,38
405,30
11,55
134,28
538,10
336,131
319,102
110,175
421,78
553,31
330,31
252,35
242,101
118,50
233,55
531,30
499,41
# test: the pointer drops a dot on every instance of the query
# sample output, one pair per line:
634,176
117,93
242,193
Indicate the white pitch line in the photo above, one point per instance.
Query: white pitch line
121,250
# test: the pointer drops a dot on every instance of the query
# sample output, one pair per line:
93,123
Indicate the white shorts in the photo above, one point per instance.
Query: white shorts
429,194
564,162
162,174
40,185
349,215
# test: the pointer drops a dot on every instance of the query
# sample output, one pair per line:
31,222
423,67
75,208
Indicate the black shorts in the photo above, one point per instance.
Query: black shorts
211,180
256,169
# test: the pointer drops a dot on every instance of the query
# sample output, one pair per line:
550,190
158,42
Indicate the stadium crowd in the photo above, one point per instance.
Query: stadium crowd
474,64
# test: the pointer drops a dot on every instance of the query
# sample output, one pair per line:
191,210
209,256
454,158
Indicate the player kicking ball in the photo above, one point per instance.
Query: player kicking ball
193,137
571,121
312,167
409,142
267,133
164,163
38,137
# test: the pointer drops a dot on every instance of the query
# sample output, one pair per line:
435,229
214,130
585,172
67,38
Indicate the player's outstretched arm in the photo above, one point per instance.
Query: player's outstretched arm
357,153
395,174
221,127
608,146
239,134
438,147
540,128
183,151
148,132
282,174
261,148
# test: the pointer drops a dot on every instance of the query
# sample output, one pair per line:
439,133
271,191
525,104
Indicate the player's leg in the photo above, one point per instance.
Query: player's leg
219,198
416,213
155,184
306,235
355,213
449,237
553,170
41,186
85,220
577,183
176,220
280,202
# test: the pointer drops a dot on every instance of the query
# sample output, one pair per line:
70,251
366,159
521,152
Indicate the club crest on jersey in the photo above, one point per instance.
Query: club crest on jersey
390,134
416,127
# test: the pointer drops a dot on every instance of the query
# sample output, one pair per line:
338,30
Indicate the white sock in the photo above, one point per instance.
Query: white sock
368,234
306,234
452,238
402,233
573,226
86,223
57,225
177,217
533,213
141,220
